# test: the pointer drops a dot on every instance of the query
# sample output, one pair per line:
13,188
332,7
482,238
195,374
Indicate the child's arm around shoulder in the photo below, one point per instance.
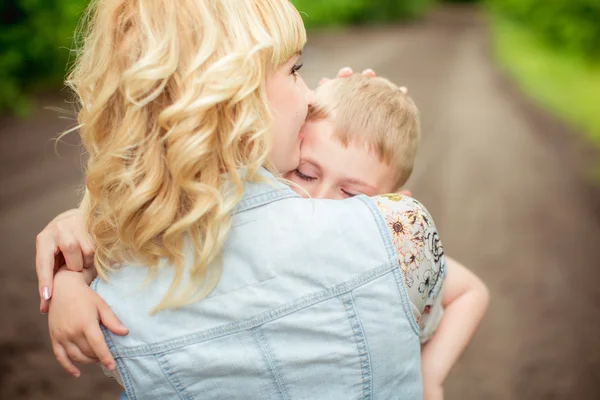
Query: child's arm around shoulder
465,300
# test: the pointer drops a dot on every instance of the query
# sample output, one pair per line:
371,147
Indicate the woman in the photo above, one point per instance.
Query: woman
231,285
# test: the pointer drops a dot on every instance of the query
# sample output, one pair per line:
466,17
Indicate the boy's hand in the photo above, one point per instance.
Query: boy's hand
76,312
346,72
63,241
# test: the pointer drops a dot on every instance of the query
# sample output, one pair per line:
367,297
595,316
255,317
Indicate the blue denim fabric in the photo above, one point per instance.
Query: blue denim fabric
309,306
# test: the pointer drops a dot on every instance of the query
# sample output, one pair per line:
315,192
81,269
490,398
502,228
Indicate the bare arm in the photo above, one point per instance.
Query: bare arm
465,299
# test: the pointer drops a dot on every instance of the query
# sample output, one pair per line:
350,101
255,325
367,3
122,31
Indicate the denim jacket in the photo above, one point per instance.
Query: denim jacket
313,303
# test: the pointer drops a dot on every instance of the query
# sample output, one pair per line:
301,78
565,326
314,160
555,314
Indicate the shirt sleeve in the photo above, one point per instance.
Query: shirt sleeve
420,257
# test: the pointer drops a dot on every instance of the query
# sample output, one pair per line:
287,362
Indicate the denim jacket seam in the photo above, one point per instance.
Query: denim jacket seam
362,345
399,278
122,369
262,199
267,353
258,320
393,257
370,393
165,368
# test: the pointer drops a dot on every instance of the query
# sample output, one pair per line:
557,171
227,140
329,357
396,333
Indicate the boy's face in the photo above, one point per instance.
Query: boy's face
330,170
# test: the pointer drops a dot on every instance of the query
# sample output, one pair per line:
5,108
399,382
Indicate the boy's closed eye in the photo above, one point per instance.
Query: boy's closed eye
322,186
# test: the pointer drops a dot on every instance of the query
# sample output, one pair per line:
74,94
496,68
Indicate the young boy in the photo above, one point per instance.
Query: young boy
362,138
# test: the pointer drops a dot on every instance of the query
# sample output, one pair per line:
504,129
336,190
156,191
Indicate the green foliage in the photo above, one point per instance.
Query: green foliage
343,12
35,38
569,25
565,84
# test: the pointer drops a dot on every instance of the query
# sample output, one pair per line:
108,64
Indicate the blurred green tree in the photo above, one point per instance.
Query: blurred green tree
343,12
35,38
568,25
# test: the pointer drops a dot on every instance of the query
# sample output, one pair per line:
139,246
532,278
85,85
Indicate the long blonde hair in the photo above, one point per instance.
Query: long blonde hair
172,103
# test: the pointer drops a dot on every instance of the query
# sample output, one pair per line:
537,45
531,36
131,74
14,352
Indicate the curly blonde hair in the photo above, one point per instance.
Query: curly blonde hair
172,106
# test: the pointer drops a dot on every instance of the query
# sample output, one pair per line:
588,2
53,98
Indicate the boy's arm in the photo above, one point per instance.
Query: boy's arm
464,299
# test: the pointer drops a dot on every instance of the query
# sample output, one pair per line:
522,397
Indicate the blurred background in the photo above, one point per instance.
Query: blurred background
509,93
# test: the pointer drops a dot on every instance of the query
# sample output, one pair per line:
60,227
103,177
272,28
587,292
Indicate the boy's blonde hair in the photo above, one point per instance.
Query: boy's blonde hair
172,103
372,112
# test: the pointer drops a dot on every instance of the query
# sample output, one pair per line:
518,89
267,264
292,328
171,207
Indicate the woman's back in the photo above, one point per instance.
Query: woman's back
324,313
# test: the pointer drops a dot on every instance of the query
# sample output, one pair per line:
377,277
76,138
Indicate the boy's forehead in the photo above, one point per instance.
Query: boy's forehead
355,162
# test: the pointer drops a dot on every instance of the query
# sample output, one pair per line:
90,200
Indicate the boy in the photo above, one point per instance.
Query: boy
361,137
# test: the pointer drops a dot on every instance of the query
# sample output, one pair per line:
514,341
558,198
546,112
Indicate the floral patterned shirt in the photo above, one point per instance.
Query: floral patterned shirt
420,256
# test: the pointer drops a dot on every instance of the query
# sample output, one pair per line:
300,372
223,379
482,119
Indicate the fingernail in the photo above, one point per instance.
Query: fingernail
346,69
368,71
77,374
111,367
46,293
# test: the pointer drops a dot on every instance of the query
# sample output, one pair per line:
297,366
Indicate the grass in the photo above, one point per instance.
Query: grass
565,84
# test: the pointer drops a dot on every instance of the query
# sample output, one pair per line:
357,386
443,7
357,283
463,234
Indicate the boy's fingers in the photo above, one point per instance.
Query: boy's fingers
100,349
110,320
75,354
344,72
85,346
369,72
64,361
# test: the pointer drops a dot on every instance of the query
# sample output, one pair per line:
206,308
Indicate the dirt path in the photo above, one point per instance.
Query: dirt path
502,179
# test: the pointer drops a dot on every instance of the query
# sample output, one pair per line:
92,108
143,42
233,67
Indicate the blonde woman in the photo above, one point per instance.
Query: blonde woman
229,283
